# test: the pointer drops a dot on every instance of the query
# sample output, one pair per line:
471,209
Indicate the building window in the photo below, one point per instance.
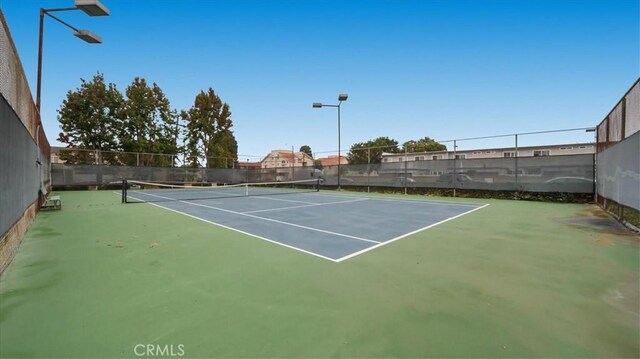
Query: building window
566,148
385,159
461,157
478,152
509,154
540,153
438,157
400,159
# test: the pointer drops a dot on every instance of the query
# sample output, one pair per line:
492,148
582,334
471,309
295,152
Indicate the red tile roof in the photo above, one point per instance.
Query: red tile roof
333,160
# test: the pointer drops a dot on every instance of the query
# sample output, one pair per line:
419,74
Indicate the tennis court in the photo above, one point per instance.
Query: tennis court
328,225
513,279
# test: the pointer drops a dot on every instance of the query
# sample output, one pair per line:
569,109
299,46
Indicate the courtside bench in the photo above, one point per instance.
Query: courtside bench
53,202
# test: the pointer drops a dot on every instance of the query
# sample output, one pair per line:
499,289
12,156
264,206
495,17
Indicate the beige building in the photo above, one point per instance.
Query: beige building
529,151
285,159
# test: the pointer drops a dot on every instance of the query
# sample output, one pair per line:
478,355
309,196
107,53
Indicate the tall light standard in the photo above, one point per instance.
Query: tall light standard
91,8
341,97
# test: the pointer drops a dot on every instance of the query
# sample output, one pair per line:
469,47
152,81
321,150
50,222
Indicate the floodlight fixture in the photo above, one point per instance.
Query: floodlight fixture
317,105
87,36
92,7
343,97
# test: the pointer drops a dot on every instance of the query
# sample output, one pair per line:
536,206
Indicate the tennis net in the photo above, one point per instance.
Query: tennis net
139,191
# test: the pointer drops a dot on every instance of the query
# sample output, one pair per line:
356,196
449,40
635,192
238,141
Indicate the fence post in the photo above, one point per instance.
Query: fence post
405,170
453,178
595,168
368,168
516,154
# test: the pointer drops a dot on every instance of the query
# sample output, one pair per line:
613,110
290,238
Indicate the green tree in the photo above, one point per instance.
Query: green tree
306,149
150,125
208,134
361,152
89,118
424,144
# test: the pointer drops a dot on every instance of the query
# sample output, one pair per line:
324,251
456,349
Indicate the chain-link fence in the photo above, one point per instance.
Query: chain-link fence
24,151
618,159
73,175
570,173
545,161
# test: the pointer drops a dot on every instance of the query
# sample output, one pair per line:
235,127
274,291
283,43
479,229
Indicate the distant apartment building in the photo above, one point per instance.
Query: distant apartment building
55,154
529,151
284,158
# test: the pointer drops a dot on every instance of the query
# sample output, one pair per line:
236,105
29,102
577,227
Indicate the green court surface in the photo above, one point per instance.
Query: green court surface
515,279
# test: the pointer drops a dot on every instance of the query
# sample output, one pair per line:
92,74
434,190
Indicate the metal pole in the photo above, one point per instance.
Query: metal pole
368,168
595,168
339,159
124,184
455,146
516,154
39,80
405,170
47,12
173,159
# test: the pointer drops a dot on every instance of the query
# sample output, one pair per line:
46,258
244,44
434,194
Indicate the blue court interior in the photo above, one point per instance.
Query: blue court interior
331,225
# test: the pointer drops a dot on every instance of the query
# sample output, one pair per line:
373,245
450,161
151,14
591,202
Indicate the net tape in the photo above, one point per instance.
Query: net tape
140,191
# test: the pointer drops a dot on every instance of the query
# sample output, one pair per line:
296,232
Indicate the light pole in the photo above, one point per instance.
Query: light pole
341,97
91,8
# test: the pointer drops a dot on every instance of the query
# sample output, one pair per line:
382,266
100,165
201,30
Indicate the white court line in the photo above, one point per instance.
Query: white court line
283,200
306,205
379,244
230,195
239,231
268,219
412,201
407,234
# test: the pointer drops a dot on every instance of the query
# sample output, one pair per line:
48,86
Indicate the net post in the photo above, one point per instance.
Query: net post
317,184
246,189
124,190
